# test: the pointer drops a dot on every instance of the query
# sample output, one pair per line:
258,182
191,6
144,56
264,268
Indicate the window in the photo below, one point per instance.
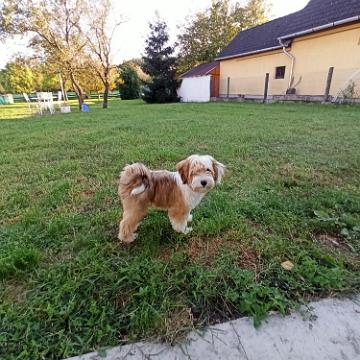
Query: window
280,72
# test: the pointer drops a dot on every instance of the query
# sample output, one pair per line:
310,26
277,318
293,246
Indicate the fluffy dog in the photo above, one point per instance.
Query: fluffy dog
176,192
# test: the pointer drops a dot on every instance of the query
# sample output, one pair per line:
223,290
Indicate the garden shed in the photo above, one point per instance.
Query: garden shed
201,83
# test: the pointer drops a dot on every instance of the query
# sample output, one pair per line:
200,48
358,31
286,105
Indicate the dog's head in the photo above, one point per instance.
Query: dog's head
200,172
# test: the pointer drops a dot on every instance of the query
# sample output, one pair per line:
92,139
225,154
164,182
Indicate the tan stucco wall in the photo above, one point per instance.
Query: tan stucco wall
314,55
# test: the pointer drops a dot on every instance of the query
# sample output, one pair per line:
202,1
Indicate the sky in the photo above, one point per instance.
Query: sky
130,37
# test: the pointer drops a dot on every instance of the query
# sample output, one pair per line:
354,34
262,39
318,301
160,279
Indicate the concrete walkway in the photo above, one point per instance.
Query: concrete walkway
330,330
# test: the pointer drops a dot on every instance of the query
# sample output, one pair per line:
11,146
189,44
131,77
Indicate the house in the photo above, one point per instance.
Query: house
200,83
298,52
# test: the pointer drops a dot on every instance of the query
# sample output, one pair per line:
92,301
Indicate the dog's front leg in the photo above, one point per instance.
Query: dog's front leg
180,227
179,221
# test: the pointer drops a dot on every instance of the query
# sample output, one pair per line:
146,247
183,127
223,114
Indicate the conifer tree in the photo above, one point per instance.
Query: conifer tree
159,64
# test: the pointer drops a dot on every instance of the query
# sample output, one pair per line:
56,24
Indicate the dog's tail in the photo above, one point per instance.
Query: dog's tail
134,180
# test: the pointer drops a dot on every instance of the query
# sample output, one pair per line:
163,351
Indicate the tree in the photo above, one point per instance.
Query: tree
129,86
28,74
18,77
44,77
49,81
137,64
99,36
210,31
53,26
91,82
255,13
159,64
3,81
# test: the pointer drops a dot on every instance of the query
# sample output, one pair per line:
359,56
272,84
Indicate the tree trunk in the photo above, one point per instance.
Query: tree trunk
106,96
77,89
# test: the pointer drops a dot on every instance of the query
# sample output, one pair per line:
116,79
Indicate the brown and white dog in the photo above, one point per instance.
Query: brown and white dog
177,192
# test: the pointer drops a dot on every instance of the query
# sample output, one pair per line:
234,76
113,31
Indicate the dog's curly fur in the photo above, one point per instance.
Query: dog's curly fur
176,192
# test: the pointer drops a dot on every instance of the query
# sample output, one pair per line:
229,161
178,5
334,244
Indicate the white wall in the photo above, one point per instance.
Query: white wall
195,89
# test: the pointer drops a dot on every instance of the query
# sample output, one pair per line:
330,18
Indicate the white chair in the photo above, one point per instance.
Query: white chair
59,99
9,98
45,102
28,101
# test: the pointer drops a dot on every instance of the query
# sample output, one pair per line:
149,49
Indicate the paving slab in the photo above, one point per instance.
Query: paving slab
324,330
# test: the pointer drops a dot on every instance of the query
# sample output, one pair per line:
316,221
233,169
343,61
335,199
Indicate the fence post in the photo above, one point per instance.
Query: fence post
266,87
228,87
328,84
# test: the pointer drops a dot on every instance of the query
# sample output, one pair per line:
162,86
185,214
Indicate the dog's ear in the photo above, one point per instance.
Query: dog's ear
183,168
219,170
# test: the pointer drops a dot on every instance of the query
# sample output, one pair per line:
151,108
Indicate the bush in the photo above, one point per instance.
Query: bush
130,87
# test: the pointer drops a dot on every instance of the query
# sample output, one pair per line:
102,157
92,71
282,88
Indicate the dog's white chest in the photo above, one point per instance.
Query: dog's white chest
192,198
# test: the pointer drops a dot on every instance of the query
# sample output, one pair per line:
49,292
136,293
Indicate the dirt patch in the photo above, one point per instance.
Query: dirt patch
205,250
15,293
81,180
166,253
333,240
248,258
89,192
11,221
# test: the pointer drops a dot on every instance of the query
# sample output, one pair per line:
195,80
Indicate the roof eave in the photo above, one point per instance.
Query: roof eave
193,76
205,74
322,27
248,53
209,71
183,75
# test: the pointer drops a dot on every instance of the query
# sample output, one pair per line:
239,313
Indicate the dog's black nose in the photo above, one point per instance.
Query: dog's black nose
203,183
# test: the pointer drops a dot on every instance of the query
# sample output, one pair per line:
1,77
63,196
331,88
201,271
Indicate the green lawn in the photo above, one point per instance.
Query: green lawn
291,193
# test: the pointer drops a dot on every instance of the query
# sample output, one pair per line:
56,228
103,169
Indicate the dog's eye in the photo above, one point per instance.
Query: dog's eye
208,170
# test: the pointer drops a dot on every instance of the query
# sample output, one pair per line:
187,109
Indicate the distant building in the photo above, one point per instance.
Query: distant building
297,52
200,83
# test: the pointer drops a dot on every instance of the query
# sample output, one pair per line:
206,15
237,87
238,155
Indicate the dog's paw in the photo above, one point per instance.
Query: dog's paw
190,217
187,230
129,239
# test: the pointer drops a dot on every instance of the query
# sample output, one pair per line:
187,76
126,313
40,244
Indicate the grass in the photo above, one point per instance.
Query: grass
291,193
